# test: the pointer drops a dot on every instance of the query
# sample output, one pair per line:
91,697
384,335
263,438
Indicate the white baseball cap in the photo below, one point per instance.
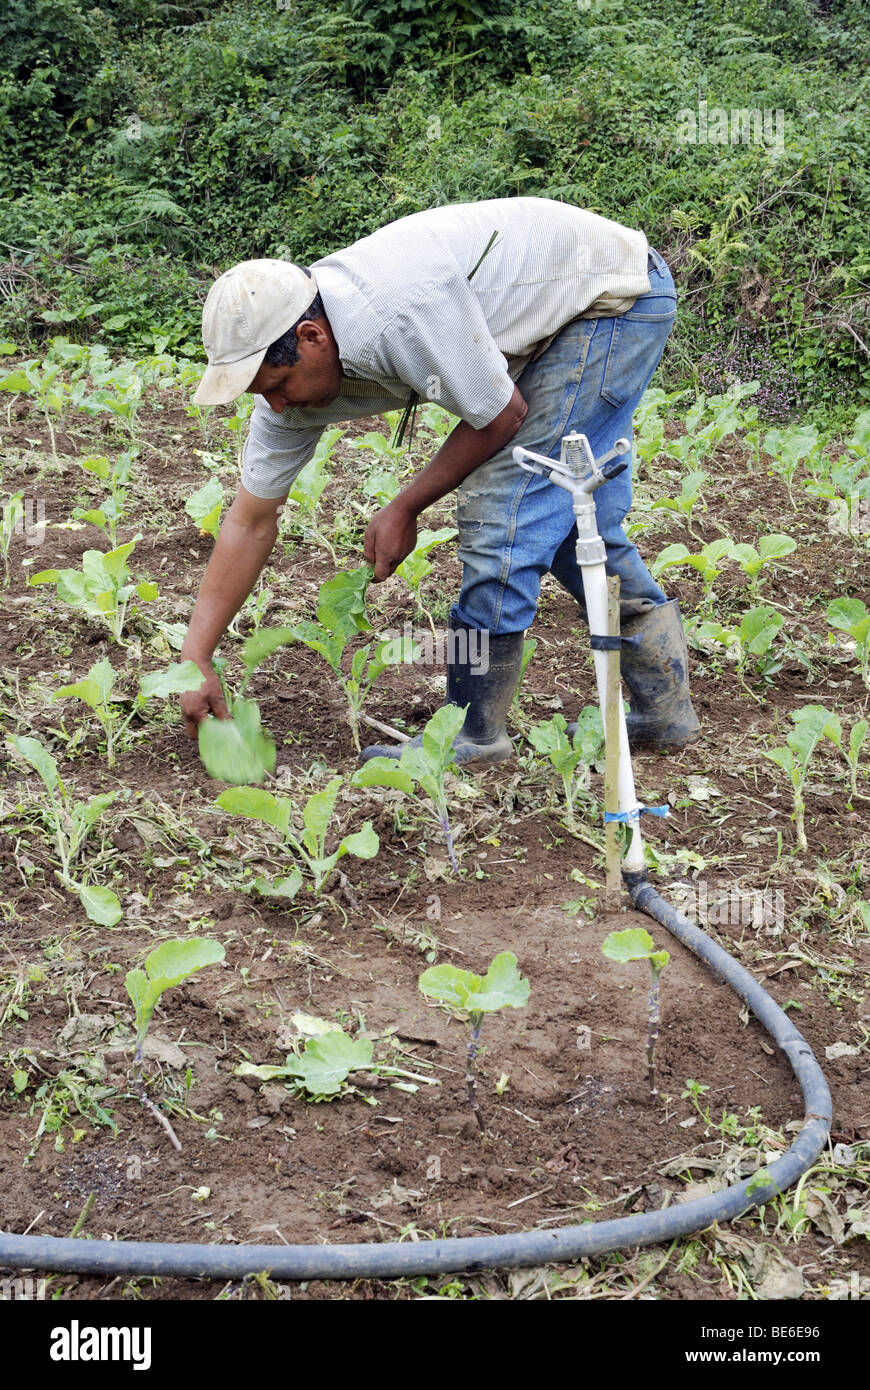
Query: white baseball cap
246,309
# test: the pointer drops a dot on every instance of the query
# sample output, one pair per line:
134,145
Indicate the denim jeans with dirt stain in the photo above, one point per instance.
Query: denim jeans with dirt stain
515,527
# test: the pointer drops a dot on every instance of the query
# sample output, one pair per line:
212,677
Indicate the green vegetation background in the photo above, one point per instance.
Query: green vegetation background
147,146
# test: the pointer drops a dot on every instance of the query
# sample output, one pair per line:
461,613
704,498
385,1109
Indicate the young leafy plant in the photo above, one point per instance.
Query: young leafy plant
572,757
204,507
810,725
707,562
310,846
10,521
107,516
753,638
637,944
833,730
308,487
416,567
463,992
341,616
753,562
321,1070
98,687
168,964
691,491
71,822
102,588
850,615
422,767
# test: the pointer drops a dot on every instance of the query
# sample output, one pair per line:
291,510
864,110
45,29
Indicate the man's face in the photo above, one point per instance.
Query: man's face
313,382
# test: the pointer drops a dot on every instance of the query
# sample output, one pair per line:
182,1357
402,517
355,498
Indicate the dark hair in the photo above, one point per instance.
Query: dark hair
284,352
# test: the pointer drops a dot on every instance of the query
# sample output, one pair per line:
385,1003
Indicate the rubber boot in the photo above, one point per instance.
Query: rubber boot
654,665
483,737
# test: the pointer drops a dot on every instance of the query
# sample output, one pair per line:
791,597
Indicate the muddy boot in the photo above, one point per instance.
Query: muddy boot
656,673
487,693
655,669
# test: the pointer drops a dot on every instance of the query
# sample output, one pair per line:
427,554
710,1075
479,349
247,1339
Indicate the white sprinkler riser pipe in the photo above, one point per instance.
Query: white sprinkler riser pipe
595,592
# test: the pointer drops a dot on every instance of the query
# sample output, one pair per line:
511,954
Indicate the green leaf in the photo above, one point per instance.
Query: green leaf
257,804
174,680
264,642
633,944
775,547
439,733
100,904
97,464
383,772
204,506
286,887
341,602
173,961
32,751
317,813
364,843
758,628
236,750
328,1060
147,590
461,989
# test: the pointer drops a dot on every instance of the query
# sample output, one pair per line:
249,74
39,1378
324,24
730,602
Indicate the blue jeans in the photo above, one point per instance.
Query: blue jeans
514,527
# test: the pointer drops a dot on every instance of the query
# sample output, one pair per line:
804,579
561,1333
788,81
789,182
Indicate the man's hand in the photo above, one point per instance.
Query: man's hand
197,705
245,540
390,536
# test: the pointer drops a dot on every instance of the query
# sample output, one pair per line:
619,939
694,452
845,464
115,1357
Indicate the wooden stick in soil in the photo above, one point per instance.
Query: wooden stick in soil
139,1088
385,729
470,1077
653,1030
612,851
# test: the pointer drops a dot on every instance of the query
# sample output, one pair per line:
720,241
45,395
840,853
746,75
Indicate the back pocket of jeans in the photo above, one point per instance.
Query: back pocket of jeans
636,344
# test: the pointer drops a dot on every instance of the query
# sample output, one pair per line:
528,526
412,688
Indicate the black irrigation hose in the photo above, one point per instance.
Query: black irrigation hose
392,1260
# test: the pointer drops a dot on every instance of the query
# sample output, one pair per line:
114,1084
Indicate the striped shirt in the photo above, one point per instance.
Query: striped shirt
406,316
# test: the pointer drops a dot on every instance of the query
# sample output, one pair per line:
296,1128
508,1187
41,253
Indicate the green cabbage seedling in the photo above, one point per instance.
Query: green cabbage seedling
850,615
502,986
637,944
571,757
416,567
110,512
310,846
97,687
71,821
327,1060
204,507
167,965
812,723
102,588
422,765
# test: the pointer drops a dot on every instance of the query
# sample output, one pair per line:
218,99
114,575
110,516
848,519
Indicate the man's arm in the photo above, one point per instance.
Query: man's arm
392,533
244,543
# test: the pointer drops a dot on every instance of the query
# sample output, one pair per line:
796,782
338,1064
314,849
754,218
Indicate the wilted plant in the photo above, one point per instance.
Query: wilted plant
422,767
309,847
637,944
70,822
474,995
